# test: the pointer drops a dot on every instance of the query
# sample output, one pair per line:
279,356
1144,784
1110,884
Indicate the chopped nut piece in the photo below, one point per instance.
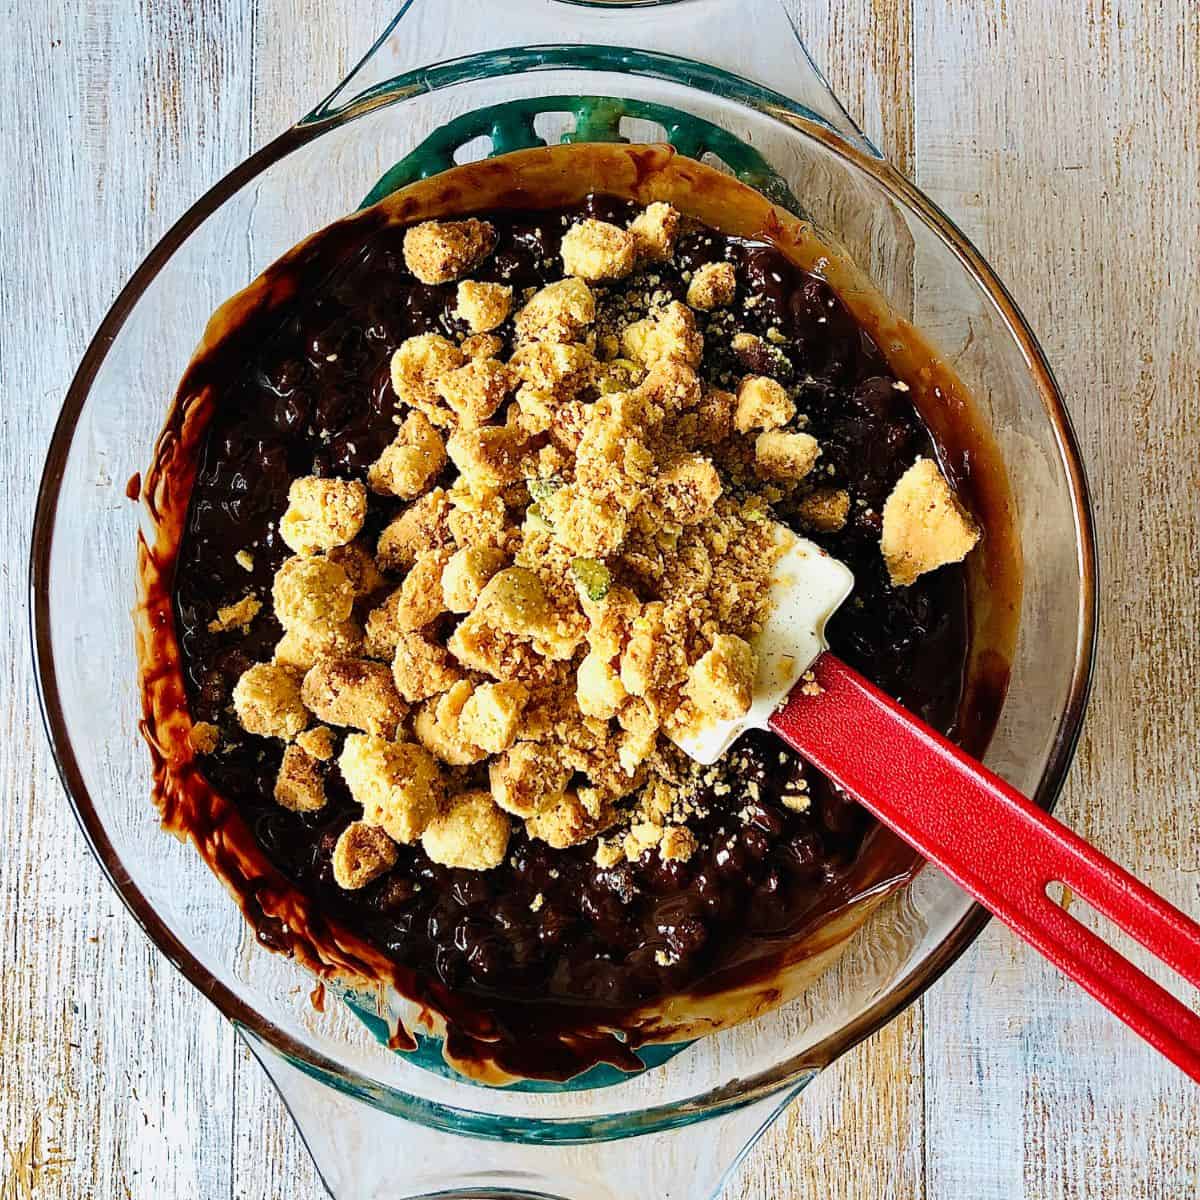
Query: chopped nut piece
322,513
482,346
667,333
354,692
205,737
472,834
235,616
762,403
483,306
721,684
267,702
441,251
398,784
303,646
924,525
467,574
785,457
412,462
438,726
360,568
527,778
654,232
421,668
299,785
423,525
362,854
825,509
560,312
318,742
476,391
311,592
416,368
492,714
596,250
714,285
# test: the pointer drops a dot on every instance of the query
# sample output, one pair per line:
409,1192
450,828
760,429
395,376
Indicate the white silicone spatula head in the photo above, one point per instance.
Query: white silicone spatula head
807,588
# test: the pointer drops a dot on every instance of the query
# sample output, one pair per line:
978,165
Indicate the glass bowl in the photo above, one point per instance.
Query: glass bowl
434,65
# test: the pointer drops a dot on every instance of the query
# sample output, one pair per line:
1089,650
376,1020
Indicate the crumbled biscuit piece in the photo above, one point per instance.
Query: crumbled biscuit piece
438,726
492,714
319,742
267,702
714,285
476,391
235,616
355,693
467,573
515,602
356,560
205,737
559,312
398,784
640,738
678,844
721,684
311,592
825,509
667,333
421,668
762,403
322,513
490,457
608,854
412,462
299,786
688,489
645,651
416,368
565,822
442,251
589,526
303,646
671,385
417,602
479,518
595,250
785,457
483,306
599,690
924,525
714,417
558,369
527,778
423,525
244,559
362,854
654,232
642,838
471,834
482,346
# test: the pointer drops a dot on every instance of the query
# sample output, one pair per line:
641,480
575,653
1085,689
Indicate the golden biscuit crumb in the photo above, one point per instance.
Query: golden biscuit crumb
398,784
678,844
442,251
482,346
423,525
267,702
421,668
359,564
668,333
299,786
654,232
417,366
490,457
438,726
471,834
235,616
561,312
924,525
566,822
721,683
467,573
205,737
492,714
322,513
311,592
483,306
785,457
244,559
362,854
825,509
762,403
302,646
714,285
477,390
354,692
595,250
318,741
412,462
527,778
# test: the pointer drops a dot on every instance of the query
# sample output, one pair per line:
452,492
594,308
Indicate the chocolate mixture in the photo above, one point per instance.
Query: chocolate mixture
550,929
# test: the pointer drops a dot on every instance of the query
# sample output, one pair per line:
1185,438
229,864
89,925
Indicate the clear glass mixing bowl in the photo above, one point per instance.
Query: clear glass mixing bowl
647,1135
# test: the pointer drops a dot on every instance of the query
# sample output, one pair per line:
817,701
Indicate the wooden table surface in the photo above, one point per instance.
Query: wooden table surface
1065,139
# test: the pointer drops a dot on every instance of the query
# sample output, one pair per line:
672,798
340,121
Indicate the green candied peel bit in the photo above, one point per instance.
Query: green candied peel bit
543,489
593,576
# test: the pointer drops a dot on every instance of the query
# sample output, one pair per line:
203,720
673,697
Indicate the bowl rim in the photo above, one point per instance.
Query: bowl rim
789,1074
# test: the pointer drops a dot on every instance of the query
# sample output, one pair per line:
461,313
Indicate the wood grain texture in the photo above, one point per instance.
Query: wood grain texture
1064,139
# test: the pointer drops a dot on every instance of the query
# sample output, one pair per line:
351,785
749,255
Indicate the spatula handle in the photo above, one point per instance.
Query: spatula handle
1000,847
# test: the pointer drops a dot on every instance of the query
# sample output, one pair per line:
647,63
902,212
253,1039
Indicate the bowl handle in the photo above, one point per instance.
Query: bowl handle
707,44
364,1152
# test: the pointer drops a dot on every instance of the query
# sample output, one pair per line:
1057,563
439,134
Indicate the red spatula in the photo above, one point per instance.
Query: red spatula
992,841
